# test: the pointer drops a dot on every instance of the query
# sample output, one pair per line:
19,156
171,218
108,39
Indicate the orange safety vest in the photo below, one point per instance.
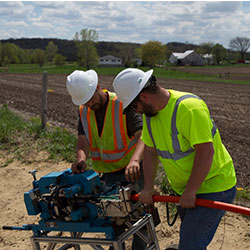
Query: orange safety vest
112,150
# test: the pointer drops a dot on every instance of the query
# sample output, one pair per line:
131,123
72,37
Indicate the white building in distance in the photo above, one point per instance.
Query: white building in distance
110,61
189,57
208,59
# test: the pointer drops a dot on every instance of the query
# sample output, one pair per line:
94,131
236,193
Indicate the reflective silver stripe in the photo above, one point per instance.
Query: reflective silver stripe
132,143
178,153
119,140
85,122
174,156
113,156
175,141
164,153
214,128
148,119
95,154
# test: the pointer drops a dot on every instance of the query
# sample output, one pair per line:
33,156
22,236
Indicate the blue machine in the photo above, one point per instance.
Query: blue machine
68,202
74,203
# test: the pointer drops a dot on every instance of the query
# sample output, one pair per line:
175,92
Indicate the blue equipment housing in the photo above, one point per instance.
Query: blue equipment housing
69,202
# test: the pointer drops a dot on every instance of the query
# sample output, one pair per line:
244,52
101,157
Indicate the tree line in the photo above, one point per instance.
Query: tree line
86,50
12,54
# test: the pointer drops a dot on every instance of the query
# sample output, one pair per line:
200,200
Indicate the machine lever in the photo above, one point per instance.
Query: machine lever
33,173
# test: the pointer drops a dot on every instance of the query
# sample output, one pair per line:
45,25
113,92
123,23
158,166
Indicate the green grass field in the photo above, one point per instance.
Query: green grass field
170,73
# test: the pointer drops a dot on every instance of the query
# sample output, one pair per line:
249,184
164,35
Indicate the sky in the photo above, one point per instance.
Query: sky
128,21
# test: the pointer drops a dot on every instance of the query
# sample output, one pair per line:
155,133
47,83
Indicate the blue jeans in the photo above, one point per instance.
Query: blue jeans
198,225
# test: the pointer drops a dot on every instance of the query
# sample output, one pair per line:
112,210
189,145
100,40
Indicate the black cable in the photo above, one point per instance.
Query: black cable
168,216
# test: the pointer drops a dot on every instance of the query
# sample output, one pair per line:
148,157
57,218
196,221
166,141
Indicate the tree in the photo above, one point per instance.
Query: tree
40,57
59,60
219,52
9,53
86,49
51,51
32,56
1,55
153,52
240,44
205,48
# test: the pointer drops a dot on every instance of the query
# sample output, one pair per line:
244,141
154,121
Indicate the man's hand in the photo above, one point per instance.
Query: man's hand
145,196
132,171
78,167
203,159
187,200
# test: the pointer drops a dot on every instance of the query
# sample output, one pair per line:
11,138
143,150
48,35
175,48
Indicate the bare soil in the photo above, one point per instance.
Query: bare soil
229,105
233,232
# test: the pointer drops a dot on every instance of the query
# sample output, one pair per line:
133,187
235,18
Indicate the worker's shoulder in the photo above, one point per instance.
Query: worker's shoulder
186,101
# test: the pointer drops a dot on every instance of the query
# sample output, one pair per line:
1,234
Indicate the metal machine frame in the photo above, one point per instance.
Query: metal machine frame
75,240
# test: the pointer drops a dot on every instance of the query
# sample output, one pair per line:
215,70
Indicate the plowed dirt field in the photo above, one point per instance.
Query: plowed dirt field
229,105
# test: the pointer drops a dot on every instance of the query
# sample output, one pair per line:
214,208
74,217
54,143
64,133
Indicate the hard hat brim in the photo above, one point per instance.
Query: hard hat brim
145,79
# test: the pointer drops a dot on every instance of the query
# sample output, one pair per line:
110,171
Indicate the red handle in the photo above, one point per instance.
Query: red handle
200,202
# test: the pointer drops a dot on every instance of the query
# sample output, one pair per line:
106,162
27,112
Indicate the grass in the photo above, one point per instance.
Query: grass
59,142
52,69
243,194
21,137
170,73
181,75
9,125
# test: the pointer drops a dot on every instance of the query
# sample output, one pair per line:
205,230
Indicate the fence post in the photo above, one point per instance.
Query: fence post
44,99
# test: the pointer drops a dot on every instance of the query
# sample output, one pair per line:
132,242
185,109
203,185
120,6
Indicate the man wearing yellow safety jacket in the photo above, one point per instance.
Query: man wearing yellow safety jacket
113,138
178,130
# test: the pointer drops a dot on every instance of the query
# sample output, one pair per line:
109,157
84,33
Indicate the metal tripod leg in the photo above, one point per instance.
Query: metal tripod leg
35,244
150,240
52,246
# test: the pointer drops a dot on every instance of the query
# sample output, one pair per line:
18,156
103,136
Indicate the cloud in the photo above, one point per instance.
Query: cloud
48,4
222,7
17,24
44,25
129,21
15,10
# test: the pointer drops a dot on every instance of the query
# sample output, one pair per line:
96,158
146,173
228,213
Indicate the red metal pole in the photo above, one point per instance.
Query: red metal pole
200,202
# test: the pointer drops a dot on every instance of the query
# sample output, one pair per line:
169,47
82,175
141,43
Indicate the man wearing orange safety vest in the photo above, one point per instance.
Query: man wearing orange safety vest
113,138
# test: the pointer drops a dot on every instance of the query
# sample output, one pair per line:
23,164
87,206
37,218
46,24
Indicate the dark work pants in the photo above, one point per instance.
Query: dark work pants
198,225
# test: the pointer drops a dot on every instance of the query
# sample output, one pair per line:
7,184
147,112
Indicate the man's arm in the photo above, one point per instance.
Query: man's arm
132,171
134,128
150,163
82,155
202,163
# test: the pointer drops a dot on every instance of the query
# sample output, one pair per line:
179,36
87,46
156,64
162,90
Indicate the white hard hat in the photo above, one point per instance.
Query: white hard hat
81,85
129,83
